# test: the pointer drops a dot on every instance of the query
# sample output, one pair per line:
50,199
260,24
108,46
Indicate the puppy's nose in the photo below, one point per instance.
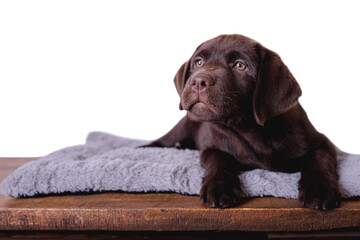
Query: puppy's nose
201,82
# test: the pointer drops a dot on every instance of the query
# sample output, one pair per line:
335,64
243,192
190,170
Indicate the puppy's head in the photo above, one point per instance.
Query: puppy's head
232,76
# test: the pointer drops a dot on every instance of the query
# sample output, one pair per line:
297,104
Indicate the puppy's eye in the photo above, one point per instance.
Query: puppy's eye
239,66
199,63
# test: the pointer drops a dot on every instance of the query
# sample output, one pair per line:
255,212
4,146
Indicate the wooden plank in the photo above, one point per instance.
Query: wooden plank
79,235
163,212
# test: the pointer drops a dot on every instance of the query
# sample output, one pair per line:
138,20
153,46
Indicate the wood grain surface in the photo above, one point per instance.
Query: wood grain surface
114,211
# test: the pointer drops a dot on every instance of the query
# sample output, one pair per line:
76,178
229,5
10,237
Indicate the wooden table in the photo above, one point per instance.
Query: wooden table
170,212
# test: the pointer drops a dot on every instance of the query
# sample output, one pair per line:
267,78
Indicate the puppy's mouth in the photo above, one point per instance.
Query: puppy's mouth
198,107
200,111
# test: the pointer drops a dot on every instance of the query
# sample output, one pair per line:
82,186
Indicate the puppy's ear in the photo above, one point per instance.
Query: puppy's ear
180,78
276,90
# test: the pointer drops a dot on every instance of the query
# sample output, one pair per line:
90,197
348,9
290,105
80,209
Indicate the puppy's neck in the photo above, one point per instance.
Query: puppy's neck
239,122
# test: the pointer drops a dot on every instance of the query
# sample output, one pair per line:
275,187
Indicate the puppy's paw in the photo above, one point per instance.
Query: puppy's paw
221,192
158,144
319,197
152,144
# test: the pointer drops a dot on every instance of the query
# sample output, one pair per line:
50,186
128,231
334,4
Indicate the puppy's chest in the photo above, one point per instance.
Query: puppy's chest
249,147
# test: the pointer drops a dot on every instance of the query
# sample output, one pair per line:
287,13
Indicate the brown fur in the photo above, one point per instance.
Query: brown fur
249,118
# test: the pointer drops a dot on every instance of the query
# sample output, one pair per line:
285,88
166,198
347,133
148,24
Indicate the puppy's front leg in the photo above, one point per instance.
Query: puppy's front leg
221,185
318,186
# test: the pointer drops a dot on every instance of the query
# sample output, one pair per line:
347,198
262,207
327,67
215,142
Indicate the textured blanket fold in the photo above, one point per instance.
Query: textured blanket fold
111,163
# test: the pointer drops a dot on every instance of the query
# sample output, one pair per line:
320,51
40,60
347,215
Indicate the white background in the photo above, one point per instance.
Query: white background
71,67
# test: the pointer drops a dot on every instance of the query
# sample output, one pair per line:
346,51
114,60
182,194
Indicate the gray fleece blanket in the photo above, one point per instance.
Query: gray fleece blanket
111,163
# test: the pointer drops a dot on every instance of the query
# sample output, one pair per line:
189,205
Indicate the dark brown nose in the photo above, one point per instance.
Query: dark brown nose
201,82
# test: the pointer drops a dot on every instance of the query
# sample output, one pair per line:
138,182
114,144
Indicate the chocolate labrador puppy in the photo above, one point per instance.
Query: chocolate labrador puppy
243,113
